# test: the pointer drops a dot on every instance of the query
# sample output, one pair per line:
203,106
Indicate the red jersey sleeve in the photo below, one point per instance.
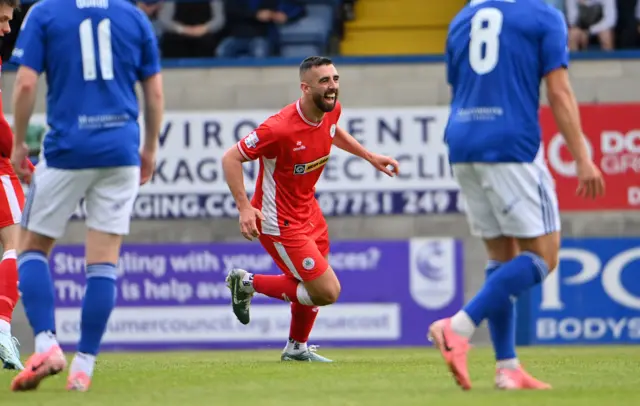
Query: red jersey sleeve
258,143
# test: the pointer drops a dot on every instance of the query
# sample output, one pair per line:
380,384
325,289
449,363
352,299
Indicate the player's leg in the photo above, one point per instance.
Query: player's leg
9,296
452,345
307,278
524,202
289,287
303,317
53,196
109,203
502,323
11,205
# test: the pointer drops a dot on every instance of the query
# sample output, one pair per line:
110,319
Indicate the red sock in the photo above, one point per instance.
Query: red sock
302,319
281,287
8,286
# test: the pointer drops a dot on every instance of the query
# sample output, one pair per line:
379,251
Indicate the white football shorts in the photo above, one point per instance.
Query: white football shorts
54,194
509,199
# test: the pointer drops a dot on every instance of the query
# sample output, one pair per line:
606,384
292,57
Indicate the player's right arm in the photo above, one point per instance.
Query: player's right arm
261,142
563,103
151,78
29,53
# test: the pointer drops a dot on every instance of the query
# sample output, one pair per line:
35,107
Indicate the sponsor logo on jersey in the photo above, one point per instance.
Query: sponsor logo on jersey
252,140
301,169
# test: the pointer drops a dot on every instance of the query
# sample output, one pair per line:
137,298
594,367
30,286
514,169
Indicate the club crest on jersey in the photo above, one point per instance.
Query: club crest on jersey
252,140
332,131
301,169
308,263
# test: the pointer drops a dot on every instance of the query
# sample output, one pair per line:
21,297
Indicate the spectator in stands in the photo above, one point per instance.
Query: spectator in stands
151,8
638,15
348,10
191,29
250,23
9,40
627,28
293,11
591,18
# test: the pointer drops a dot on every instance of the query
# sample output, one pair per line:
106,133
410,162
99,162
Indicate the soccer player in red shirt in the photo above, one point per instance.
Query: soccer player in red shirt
293,147
11,205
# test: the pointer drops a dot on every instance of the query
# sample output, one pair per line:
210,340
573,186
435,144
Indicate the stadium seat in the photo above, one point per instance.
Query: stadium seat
313,30
300,51
333,3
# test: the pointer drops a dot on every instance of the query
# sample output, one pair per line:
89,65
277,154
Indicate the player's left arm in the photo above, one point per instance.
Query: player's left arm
347,142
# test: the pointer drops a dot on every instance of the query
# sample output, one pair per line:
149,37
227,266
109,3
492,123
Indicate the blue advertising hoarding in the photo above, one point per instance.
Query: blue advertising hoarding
173,296
593,297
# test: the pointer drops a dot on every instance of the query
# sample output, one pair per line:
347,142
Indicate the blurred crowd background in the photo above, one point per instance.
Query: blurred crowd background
296,28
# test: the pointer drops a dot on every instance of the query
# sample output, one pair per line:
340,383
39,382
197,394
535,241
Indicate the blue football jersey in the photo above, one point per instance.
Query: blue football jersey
93,52
497,53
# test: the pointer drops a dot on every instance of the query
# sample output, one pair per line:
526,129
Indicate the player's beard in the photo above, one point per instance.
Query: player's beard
324,105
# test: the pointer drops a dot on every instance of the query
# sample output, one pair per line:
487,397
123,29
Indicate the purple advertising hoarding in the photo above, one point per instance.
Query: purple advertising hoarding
174,295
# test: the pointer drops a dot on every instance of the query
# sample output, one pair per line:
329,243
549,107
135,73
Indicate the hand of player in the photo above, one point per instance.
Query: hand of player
590,181
248,226
382,163
18,156
147,165
26,179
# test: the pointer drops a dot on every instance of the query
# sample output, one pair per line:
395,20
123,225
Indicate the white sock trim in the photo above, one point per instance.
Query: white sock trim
303,295
295,347
5,327
462,324
512,363
9,254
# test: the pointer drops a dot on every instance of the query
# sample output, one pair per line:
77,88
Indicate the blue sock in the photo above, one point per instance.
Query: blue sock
36,288
502,325
511,279
99,301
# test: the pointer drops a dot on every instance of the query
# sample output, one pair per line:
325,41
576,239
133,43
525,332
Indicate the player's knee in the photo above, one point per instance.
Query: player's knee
551,260
329,294
333,294
31,241
546,247
102,247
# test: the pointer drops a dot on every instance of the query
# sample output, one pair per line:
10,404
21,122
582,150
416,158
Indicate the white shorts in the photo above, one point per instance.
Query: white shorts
511,199
54,194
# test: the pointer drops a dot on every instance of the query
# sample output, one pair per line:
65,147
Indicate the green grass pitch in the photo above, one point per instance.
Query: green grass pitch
581,376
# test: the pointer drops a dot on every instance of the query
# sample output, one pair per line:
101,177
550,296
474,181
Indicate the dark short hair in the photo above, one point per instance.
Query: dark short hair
10,3
312,62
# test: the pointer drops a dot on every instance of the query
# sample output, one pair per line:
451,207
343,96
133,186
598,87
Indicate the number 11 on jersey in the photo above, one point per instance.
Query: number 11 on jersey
87,48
